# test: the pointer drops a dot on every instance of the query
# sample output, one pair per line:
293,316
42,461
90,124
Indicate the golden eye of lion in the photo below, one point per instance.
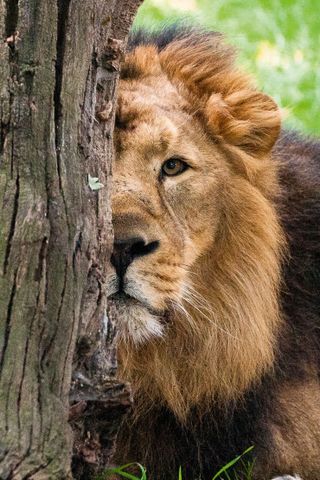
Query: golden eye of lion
173,166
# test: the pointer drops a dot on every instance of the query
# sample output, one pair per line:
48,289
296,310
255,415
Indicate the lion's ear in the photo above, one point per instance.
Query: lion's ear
245,118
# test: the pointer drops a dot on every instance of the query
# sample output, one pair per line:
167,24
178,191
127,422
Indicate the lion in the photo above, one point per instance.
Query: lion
215,268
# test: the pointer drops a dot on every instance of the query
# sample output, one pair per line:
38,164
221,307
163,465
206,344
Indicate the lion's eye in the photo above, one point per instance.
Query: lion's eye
173,166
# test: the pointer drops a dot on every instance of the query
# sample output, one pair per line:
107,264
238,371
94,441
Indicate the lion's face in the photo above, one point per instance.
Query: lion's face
197,247
168,182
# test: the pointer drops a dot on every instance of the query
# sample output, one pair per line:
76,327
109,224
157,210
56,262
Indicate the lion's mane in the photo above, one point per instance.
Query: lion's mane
198,360
205,392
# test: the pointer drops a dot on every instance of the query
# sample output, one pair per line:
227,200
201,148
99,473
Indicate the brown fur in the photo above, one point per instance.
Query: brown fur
203,328
238,274
295,431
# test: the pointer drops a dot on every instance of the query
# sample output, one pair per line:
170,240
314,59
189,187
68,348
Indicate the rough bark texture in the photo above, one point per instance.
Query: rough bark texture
59,65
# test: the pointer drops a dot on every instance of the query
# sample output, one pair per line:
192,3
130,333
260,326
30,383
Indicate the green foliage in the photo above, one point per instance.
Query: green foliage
122,472
94,183
278,41
223,474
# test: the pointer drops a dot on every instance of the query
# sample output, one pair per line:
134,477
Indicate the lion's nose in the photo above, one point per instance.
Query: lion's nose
127,249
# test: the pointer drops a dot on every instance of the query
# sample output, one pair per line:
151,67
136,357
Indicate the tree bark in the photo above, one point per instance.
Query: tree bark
59,67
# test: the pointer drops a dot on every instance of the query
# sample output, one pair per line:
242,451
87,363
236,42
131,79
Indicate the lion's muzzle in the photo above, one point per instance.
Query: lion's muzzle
127,249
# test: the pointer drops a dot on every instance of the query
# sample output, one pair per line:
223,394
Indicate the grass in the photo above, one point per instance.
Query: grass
227,472
278,42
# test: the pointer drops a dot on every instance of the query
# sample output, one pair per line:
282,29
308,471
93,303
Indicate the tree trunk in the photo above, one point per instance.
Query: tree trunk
59,66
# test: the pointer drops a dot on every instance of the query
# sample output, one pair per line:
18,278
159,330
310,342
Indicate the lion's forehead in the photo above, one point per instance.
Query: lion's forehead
149,118
149,137
154,90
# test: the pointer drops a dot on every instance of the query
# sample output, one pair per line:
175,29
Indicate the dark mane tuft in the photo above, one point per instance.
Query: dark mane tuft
162,37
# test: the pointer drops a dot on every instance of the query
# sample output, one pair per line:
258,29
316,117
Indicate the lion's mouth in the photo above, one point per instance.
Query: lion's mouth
138,321
123,299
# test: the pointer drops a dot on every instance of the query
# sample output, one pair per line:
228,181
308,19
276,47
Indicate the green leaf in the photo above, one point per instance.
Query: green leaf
231,464
122,473
180,474
94,183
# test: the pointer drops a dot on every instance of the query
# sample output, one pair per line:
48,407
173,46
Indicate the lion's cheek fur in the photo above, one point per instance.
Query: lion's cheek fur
227,340
200,215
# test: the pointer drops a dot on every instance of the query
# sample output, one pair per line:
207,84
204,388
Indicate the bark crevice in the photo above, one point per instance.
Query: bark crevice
8,322
43,466
12,225
63,15
47,350
42,259
22,379
4,130
11,18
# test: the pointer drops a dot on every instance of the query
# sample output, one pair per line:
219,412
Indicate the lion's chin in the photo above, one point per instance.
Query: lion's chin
137,323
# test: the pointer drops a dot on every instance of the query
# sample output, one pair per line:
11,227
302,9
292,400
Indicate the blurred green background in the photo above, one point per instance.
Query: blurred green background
278,42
